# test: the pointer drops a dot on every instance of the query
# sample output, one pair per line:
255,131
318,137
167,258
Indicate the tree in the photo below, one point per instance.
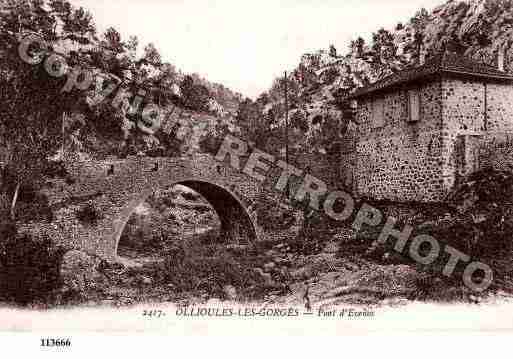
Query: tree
419,23
333,51
151,56
357,47
420,20
298,120
384,53
32,101
112,41
109,57
248,118
194,96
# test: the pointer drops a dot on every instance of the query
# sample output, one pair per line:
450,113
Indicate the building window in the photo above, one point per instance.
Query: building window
378,113
413,105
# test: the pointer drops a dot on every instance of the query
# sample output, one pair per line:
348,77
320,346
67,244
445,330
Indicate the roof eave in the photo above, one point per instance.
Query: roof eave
359,94
505,77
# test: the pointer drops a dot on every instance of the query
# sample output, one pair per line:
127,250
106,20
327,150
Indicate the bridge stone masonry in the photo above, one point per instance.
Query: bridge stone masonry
117,187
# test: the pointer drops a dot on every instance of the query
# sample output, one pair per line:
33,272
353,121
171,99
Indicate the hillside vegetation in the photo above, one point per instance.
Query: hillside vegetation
478,29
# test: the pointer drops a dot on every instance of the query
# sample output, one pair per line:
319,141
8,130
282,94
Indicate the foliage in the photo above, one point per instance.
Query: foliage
36,109
483,224
257,126
29,267
89,214
199,268
195,96
32,99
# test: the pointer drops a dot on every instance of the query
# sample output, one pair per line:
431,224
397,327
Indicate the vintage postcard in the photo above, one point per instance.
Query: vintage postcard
275,167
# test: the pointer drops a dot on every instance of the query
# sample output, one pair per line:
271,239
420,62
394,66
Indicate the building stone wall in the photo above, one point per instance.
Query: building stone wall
463,127
401,160
476,116
463,115
500,107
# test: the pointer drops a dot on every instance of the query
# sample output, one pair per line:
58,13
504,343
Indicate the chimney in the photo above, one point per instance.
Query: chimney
501,58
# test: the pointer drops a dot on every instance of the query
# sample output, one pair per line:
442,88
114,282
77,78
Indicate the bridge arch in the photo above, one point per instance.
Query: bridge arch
237,223
114,188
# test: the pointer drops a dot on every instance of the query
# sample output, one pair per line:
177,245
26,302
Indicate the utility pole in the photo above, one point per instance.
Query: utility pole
62,133
287,190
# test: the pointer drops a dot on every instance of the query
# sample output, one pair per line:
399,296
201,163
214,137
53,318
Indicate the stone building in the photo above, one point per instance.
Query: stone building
420,130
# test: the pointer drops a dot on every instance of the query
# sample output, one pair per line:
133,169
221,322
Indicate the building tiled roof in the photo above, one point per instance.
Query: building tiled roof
447,63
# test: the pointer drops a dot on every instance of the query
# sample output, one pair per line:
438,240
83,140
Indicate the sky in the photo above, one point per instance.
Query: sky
246,44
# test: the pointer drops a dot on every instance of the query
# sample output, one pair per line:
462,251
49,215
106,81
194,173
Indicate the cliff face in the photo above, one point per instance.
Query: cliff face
478,29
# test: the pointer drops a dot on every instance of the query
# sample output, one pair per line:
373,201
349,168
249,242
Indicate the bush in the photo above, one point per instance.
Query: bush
89,214
312,237
482,225
29,267
272,216
142,241
201,268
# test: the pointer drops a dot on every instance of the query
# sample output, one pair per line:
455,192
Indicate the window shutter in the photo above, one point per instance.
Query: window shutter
413,105
378,113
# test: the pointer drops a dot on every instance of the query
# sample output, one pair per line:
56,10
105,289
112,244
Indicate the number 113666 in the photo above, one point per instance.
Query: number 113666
50,342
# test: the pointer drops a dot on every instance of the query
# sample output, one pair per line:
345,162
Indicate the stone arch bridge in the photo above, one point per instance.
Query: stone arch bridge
117,187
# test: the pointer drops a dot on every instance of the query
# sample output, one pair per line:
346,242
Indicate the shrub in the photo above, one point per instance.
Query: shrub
88,214
196,267
142,241
29,267
313,236
482,225
272,216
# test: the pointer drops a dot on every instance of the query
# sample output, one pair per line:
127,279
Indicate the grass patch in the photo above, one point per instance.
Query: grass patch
198,268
